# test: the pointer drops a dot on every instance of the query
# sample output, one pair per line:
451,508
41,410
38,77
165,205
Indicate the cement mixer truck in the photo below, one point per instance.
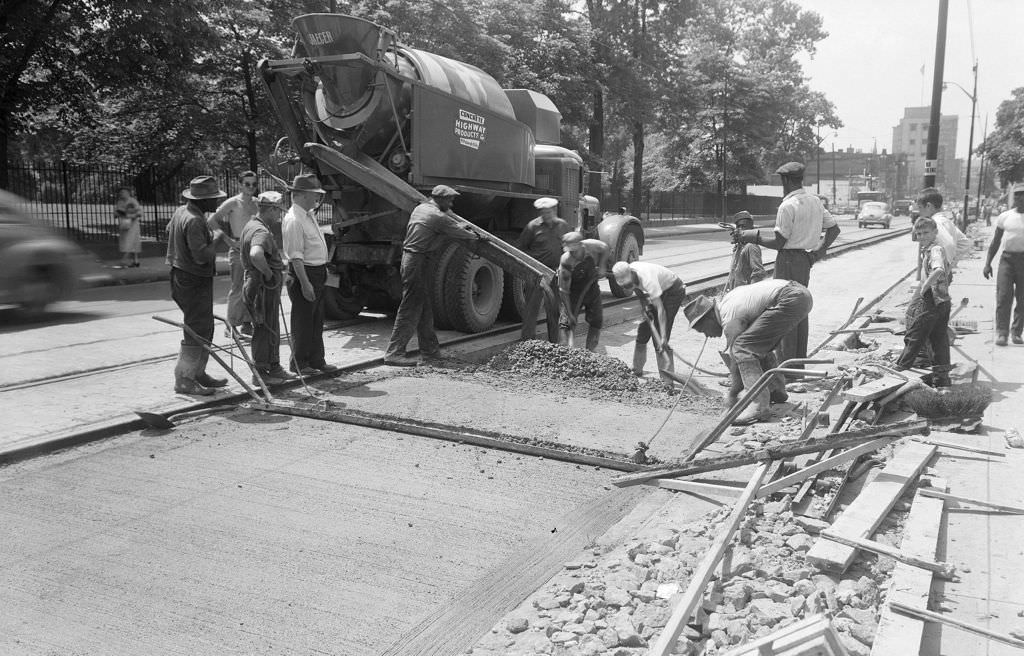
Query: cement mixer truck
382,123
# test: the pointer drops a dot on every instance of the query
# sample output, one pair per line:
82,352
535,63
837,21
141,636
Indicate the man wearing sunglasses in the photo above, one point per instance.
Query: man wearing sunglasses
231,217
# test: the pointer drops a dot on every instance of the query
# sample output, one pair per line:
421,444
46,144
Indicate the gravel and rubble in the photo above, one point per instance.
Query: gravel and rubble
615,602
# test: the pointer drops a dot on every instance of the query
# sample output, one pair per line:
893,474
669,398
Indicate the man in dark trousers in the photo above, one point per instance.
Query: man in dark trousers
797,237
261,288
430,227
754,319
542,239
306,251
583,263
231,217
746,258
661,294
192,256
1009,234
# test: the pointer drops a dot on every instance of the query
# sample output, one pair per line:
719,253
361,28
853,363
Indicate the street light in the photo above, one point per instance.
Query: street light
970,139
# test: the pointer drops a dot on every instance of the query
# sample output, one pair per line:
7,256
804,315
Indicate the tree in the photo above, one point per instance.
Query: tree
1004,146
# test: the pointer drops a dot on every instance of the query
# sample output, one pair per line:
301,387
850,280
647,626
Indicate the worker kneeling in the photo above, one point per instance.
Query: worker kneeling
754,318
661,294
583,263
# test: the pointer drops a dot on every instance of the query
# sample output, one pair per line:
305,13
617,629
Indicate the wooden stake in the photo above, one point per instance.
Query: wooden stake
695,487
822,465
944,570
930,616
959,447
928,492
695,590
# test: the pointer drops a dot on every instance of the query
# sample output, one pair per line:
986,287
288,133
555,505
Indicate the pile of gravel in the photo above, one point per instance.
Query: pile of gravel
552,361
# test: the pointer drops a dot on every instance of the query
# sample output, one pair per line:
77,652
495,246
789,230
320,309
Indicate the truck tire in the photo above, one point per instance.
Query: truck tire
339,307
513,299
442,258
473,288
627,250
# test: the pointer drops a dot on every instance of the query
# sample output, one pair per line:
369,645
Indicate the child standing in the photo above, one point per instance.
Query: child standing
128,213
929,308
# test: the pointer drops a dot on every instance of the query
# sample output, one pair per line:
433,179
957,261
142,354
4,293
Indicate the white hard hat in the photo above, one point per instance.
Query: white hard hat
544,203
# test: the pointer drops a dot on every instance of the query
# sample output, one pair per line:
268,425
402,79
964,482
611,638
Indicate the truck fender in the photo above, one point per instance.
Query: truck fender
613,226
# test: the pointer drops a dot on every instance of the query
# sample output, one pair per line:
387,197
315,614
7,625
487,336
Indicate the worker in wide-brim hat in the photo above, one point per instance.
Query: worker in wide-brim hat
746,266
583,263
754,319
431,227
798,238
192,256
661,293
541,238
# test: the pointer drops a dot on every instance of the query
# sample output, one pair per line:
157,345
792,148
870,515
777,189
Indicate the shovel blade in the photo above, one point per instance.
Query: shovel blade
154,420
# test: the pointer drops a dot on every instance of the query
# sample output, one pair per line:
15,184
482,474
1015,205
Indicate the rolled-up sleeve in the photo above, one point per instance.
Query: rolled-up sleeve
446,225
784,220
827,220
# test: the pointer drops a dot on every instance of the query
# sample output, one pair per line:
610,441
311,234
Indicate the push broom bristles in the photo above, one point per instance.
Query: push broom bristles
968,400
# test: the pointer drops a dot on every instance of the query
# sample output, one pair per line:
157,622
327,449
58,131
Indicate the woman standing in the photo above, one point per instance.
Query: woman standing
128,213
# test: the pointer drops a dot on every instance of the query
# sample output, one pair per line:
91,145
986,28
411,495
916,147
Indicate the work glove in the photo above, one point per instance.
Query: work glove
745,236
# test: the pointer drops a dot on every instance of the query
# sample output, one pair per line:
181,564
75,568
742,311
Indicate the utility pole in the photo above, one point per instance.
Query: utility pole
833,175
970,147
981,173
932,154
817,159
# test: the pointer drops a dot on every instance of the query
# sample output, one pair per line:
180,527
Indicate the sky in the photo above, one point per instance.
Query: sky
870,64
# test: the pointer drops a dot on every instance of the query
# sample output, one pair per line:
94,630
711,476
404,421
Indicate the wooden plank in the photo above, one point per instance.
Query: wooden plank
959,447
931,616
695,590
823,465
862,517
697,488
899,634
876,389
781,452
936,494
812,636
945,570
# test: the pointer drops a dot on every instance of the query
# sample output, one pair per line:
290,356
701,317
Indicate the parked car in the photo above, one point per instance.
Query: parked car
874,213
37,265
902,207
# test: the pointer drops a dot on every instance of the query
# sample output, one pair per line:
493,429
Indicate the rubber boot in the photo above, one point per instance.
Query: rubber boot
593,336
777,385
639,358
666,363
735,387
185,372
563,335
750,371
203,378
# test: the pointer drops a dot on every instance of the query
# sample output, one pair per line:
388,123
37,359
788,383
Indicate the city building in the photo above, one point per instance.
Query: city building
910,139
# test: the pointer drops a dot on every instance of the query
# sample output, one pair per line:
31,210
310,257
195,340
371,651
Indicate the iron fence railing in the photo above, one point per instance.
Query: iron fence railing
661,206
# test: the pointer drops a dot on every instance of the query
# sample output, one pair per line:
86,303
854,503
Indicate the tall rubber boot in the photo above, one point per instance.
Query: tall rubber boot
777,385
735,387
593,336
639,358
185,372
750,371
203,378
666,363
563,335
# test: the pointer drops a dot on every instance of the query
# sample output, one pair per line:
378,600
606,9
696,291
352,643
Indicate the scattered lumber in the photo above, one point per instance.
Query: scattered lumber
936,494
960,447
820,466
812,636
931,616
698,582
945,570
862,517
876,389
780,452
900,634
702,489
849,408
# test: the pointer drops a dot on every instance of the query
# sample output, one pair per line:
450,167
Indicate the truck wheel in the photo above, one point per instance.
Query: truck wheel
627,250
473,291
513,300
442,259
339,307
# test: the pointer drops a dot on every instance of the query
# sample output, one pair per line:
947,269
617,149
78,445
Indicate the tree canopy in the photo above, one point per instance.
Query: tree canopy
656,95
1004,146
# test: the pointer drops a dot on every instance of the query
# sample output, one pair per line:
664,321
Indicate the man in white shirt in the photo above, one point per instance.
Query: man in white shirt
754,318
1009,233
661,292
797,237
955,243
306,251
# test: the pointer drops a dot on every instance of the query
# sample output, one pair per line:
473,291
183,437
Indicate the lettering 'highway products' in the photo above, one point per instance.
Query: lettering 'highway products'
470,129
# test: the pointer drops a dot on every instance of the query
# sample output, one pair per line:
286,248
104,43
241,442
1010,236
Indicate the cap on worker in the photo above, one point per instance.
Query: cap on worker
270,198
307,182
202,187
697,308
545,203
794,169
573,237
443,191
742,215
623,274
1018,188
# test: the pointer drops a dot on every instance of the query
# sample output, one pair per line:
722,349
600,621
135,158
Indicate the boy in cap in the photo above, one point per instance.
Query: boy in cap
192,256
231,217
1010,279
430,227
542,239
583,263
797,237
263,267
754,318
661,293
746,258
929,308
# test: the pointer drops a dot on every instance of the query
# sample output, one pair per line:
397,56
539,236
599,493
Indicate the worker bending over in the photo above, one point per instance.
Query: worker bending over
583,263
661,294
754,318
